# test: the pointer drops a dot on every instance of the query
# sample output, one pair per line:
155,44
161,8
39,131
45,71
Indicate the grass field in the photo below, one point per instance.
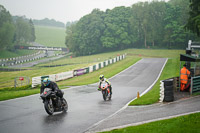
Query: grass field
182,124
17,53
50,36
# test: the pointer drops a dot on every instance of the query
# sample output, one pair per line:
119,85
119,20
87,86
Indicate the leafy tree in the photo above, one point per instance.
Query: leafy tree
154,24
139,22
83,38
70,23
32,38
193,23
175,19
156,12
6,36
23,30
7,29
117,32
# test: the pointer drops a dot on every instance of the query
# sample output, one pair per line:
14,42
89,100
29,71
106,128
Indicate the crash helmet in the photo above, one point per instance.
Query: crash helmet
46,81
101,77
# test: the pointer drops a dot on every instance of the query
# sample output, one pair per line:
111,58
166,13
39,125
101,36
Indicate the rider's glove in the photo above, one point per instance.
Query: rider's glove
99,89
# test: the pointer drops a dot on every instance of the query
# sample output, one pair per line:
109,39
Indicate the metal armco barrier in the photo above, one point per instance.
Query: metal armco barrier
195,84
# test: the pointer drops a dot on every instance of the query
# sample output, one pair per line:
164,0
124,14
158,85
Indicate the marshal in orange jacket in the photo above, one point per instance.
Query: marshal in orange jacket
184,75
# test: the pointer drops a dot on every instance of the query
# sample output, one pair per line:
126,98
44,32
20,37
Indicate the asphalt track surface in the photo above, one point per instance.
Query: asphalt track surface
86,105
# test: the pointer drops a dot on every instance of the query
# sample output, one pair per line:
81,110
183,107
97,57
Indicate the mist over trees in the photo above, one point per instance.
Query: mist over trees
144,25
14,30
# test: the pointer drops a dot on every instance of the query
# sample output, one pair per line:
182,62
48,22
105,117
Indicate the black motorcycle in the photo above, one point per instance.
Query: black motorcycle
53,103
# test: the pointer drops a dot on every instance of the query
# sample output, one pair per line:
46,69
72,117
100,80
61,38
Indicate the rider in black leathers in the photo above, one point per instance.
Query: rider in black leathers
52,85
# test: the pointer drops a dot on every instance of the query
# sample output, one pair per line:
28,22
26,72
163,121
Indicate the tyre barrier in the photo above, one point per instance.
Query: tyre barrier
161,91
166,91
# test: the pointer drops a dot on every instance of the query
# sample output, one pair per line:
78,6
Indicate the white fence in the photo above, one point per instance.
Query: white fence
65,75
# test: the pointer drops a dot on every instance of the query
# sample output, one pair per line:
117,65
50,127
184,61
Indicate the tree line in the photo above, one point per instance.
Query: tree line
14,30
49,22
156,24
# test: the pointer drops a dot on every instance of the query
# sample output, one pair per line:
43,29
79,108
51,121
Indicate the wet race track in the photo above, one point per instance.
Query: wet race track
86,104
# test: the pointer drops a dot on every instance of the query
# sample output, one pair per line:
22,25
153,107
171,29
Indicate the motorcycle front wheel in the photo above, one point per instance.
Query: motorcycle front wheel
48,105
65,105
104,95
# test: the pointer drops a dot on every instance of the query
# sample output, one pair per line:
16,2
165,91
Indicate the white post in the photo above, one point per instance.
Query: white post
189,44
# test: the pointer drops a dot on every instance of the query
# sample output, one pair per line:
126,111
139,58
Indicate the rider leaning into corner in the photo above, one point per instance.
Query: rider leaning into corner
101,80
52,85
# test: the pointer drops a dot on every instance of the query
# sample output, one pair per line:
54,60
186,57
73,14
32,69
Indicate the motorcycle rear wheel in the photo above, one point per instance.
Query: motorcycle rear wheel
49,107
110,97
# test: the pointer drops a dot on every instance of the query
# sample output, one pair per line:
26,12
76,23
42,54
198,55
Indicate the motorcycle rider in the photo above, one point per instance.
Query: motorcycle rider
52,85
101,80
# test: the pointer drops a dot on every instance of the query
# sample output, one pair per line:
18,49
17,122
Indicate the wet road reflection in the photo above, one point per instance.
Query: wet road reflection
57,118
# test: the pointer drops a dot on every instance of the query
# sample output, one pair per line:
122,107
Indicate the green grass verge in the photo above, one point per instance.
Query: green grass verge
17,53
182,124
11,93
171,69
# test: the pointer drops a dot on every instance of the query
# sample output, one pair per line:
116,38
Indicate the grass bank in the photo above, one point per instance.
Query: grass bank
11,93
186,124
50,36
7,78
17,53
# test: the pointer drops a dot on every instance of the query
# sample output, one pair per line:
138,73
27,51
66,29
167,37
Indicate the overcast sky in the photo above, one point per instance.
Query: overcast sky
61,10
